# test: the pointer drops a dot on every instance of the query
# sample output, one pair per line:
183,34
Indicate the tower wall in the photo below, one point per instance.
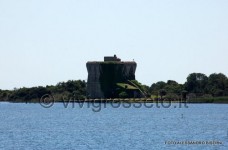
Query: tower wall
93,82
102,76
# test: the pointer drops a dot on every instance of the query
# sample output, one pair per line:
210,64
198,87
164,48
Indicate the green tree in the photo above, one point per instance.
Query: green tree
155,87
196,83
162,93
172,82
217,84
173,87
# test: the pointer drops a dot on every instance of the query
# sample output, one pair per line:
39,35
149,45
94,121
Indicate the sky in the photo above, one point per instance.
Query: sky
43,42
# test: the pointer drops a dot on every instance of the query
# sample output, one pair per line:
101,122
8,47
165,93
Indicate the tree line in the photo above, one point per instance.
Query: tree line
197,84
74,89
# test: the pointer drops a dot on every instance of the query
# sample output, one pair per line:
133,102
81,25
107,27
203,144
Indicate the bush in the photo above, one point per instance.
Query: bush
123,95
172,96
218,93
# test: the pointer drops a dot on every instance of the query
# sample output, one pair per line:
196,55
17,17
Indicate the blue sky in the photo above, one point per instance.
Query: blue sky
43,42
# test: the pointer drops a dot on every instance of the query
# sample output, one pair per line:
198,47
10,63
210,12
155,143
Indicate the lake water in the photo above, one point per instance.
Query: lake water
30,126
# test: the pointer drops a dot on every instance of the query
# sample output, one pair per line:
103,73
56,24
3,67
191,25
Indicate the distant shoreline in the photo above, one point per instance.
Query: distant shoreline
215,100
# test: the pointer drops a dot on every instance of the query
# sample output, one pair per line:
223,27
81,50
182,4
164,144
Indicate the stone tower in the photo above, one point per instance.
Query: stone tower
104,75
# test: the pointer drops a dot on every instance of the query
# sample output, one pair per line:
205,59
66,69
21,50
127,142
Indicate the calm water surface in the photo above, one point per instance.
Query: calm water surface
30,126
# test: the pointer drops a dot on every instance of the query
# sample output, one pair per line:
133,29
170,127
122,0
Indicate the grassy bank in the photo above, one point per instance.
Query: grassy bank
209,100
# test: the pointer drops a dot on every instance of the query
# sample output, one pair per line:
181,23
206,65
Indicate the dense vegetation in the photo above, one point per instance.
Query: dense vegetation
68,90
198,87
